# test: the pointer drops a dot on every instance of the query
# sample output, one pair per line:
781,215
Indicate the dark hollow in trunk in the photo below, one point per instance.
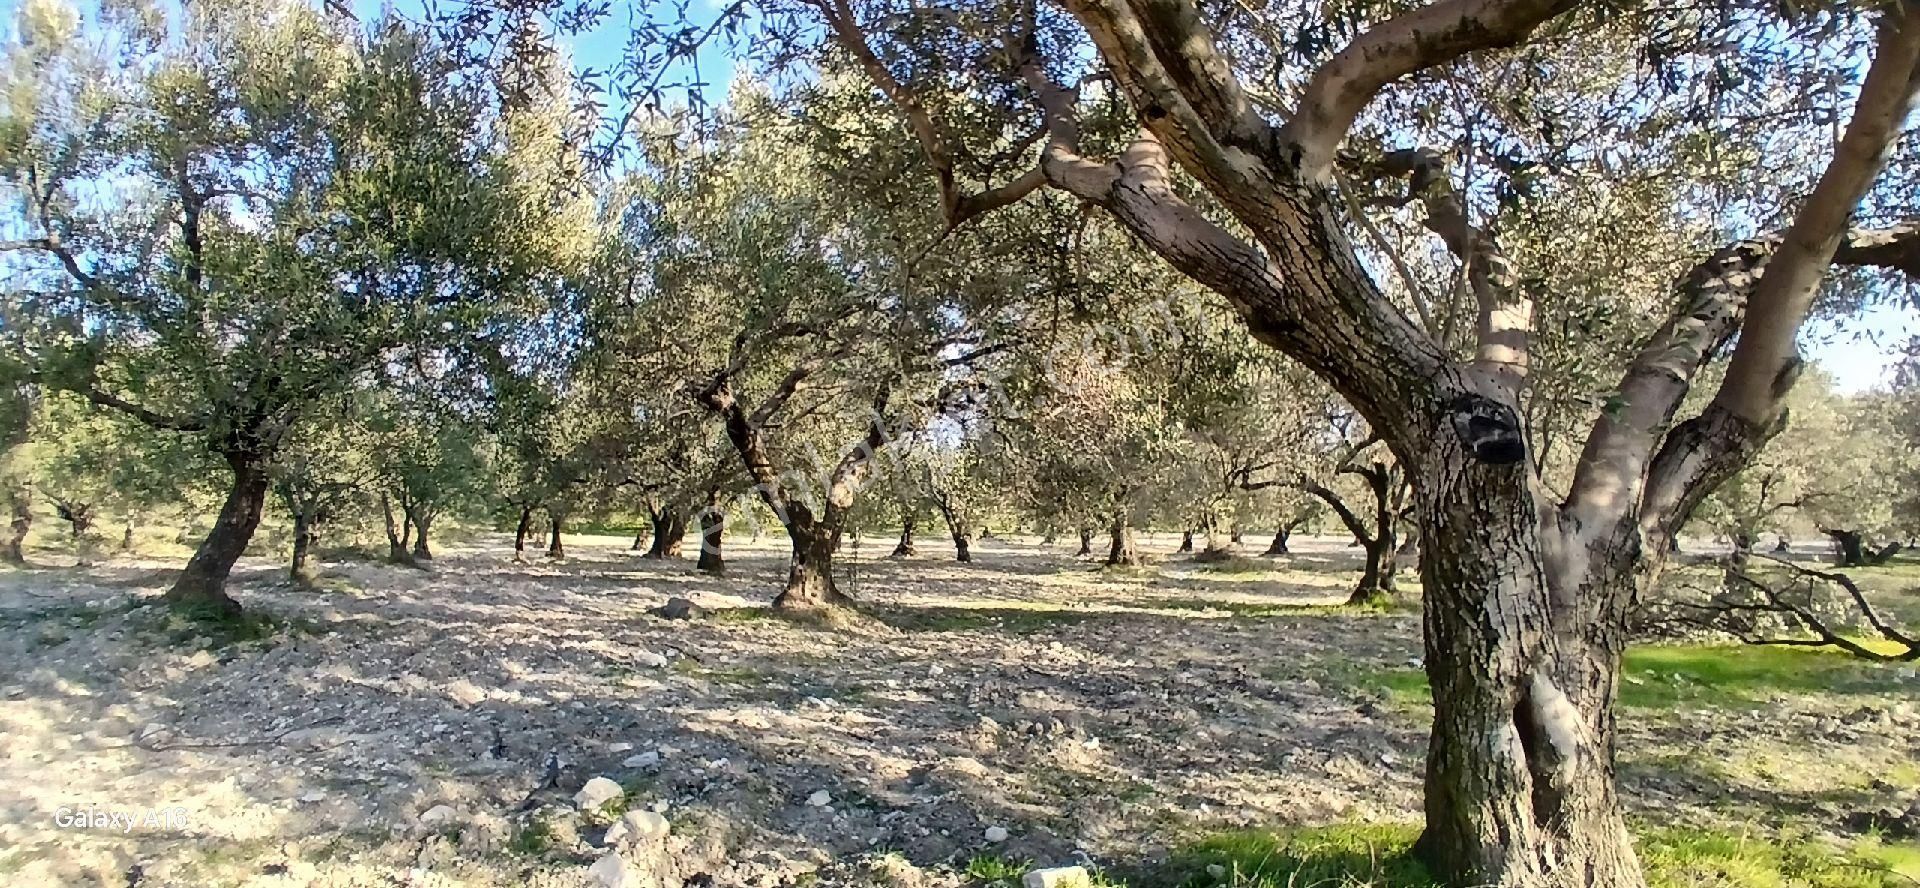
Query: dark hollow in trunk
962,548
202,586
1086,541
555,548
713,526
520,533
669,528
906,547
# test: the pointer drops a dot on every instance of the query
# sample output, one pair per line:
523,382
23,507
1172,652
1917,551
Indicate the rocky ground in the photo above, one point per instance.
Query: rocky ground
445,726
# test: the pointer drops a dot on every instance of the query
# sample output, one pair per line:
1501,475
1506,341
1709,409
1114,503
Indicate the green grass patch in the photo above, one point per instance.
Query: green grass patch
1382,855
741,615
212,628
995,871
1714,675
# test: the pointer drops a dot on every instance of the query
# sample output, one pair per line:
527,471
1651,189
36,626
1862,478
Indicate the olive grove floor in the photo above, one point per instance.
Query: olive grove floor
1092,716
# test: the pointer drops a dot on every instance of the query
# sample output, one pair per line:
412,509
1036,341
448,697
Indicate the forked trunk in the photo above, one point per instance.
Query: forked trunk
303,537
810,585
1520,774
1279,544
1086,542
399,533
520,533
1122,552
556,549
202,586
962,548
713,526
1376,578
669,528
421,522
906,547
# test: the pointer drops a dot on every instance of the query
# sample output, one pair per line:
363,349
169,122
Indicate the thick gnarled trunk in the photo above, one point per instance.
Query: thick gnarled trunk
669,529
202,586
713,527
810,584
1520,772
422,522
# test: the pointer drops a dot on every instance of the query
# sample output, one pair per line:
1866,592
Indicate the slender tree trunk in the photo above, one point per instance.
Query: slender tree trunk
303,537
422,521
962,548
713,526
1520,768
810,584
201,587
906,547
1122,552
520,533
1279,544
1186,541
669,528
1086,542
556,549
20,505
1234,534
126,538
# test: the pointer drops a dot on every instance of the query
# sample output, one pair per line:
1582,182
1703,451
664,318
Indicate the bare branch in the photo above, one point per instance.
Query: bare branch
1423,38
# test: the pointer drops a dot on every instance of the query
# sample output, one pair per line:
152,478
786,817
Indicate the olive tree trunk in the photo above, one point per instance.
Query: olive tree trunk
713,527
1086,542
669,529
556,549
20,508
906,547
521,531
422,521
299,571
1122,551
202,586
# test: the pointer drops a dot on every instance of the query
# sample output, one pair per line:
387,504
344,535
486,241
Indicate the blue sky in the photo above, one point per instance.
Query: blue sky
1859,352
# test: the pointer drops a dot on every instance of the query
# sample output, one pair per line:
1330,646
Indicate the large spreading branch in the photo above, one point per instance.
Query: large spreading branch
1766,360
1414,41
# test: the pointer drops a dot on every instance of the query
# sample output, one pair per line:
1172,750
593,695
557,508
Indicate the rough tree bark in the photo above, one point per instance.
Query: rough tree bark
1279,544
399,532
1526,594
202,586
1086,542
